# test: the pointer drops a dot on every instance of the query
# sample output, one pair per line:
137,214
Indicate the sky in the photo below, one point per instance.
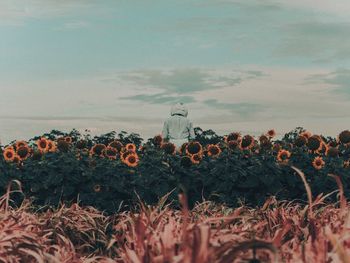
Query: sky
238,65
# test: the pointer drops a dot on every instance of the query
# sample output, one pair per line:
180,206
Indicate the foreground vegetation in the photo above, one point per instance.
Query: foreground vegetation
275,232
110,172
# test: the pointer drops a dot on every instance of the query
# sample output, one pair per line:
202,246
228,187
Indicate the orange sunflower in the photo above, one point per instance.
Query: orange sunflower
344,137
97,188
20,144
194,148
157,140
68,139
9,154
42,144
283,156
125,154
23,152
168,147
116,144
271,133
130,147
318,163
234,136
111,153
301,141
314,143
213,150
306,134
98,149
323,148
196,158
247,142
131,160
52,146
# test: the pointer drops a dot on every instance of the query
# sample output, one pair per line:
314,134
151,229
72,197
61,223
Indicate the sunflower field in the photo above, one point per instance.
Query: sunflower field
112,171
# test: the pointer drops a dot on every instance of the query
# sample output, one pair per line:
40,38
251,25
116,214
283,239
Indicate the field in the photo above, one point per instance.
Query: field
217,199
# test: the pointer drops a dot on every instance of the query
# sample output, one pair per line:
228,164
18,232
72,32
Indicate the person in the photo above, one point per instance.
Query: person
178,129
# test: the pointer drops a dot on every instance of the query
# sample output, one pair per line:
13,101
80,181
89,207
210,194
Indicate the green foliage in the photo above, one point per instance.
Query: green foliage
234,175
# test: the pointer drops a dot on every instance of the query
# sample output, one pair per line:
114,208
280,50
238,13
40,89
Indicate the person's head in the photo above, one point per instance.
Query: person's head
179,109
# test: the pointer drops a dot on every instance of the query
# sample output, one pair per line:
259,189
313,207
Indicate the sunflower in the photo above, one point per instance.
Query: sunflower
111,152
271,133
306,134
247,142
323,148
263,139
131,160
97,188
168,147
98,149
213,150
283,156
52,146
186,161
314,143
130,147
116,144
42,144
23,152
233,145
9,154
20,144
301,141
332,152
68,139
234,136
344,137
196,158
126,154
157,140
62,145
194,148
318,163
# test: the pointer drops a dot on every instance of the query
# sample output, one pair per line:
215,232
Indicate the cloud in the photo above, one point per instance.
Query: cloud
242,109
338,79
320,41
160,98
183,84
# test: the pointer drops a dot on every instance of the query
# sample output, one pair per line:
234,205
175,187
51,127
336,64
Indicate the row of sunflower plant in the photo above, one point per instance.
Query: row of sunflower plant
111,171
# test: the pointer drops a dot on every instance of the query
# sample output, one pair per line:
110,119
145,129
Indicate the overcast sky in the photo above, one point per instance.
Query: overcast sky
239,65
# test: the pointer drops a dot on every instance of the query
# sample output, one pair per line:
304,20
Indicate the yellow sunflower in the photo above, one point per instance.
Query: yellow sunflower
42,144
131,160
283,156
130,147
196,158
318,163
9,154
213,150
23,152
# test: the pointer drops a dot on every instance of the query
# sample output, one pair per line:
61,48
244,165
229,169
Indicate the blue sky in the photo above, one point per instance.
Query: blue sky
240,65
